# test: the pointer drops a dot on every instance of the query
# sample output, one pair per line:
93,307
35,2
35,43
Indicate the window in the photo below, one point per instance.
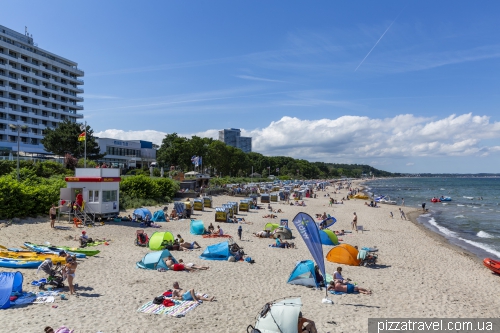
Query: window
93,196
109,196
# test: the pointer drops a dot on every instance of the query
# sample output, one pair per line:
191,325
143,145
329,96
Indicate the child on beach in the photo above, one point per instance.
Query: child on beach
240,231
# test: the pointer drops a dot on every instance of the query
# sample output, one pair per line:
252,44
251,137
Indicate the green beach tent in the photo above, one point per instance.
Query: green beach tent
158,240
271,226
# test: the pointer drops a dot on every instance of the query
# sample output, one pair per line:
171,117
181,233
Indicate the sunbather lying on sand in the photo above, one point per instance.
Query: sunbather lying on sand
269,216
178,267
193,266
183,295
189,246
262,234
348,288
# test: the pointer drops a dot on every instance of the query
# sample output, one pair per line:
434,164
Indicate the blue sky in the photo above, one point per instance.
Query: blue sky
404,86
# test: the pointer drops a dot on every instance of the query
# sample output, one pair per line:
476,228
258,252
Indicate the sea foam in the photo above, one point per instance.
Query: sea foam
481,246
442,229
484,234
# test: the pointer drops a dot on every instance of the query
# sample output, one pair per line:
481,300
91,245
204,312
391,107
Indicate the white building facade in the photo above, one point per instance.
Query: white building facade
232,137
127,154
38,90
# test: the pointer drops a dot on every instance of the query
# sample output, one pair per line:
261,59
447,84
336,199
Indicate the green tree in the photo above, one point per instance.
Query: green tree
64,139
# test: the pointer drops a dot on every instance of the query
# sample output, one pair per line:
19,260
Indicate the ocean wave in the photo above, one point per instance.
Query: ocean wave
484,234
481,246
460,205
470,198
459,216
442,229
442,189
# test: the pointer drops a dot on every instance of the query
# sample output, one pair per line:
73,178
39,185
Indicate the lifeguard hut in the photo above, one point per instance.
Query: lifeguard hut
100,189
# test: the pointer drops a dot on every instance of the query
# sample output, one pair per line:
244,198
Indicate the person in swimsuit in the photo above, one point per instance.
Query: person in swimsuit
189,246
355,222
177,267
53,214
348,288
182,295
70,269
193,266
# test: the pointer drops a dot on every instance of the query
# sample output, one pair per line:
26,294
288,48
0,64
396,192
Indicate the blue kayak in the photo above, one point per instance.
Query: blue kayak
16,263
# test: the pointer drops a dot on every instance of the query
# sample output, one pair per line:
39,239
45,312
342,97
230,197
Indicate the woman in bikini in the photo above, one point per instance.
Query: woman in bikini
70,269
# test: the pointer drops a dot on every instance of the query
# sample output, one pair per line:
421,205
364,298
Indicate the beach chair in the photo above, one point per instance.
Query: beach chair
180,208
77,222
360,228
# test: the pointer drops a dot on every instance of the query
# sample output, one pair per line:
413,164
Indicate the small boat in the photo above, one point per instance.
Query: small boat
491,264
445,199
435,200
86,251
51,249
16,263
387,201
31,256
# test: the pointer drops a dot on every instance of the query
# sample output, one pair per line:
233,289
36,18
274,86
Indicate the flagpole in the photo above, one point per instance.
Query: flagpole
85,149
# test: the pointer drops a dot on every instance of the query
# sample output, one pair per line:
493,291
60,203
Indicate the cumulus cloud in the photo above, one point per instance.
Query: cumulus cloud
350,139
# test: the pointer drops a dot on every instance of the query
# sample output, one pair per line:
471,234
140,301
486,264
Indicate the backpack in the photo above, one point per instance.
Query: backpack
158,300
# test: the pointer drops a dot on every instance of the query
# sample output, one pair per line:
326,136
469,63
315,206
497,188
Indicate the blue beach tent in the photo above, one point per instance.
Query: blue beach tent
219,251
142,212
154,260
9,283
197,227
303,274
159,216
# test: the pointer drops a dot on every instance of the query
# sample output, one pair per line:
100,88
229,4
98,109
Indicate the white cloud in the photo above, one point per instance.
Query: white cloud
351,139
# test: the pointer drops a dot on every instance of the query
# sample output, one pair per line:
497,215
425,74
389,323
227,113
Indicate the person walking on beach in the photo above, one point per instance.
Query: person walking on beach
240,231
403,202
402,214
355,222
423,206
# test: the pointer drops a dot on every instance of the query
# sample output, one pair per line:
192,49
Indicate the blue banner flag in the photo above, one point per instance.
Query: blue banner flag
310,233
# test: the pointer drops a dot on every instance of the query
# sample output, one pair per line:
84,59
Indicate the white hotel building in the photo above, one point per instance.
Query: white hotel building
38,89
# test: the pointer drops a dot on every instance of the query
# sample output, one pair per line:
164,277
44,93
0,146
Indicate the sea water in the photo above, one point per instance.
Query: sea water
470,220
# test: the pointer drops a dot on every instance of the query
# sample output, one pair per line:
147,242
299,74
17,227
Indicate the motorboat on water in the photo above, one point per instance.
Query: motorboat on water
385,200
445,198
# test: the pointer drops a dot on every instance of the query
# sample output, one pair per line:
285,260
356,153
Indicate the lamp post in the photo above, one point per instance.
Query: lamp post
19,128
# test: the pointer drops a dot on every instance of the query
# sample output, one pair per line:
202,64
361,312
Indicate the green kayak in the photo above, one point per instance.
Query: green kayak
84,250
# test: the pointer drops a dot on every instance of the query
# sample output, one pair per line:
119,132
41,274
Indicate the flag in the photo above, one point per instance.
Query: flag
199,161
277,169
81,137
195,159
309,231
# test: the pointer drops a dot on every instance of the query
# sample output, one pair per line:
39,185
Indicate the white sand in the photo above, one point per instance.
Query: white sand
419,276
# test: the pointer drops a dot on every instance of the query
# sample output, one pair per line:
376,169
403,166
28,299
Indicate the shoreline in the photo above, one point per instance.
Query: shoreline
414,215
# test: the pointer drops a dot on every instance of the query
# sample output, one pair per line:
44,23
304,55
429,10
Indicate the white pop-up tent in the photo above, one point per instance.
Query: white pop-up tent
283,316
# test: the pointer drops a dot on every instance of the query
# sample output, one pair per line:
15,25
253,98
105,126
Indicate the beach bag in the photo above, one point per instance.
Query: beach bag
158,300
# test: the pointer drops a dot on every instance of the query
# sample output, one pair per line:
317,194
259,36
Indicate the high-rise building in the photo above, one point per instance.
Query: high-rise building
38,90
232,137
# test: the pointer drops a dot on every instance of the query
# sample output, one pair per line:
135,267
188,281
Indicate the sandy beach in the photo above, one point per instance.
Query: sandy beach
418,275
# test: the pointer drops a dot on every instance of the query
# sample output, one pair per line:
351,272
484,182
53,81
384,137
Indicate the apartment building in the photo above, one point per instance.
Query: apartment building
38,89
232,137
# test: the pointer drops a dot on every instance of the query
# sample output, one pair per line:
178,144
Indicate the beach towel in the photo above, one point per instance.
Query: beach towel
44,299
216,236
180,309
25,298
335,292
